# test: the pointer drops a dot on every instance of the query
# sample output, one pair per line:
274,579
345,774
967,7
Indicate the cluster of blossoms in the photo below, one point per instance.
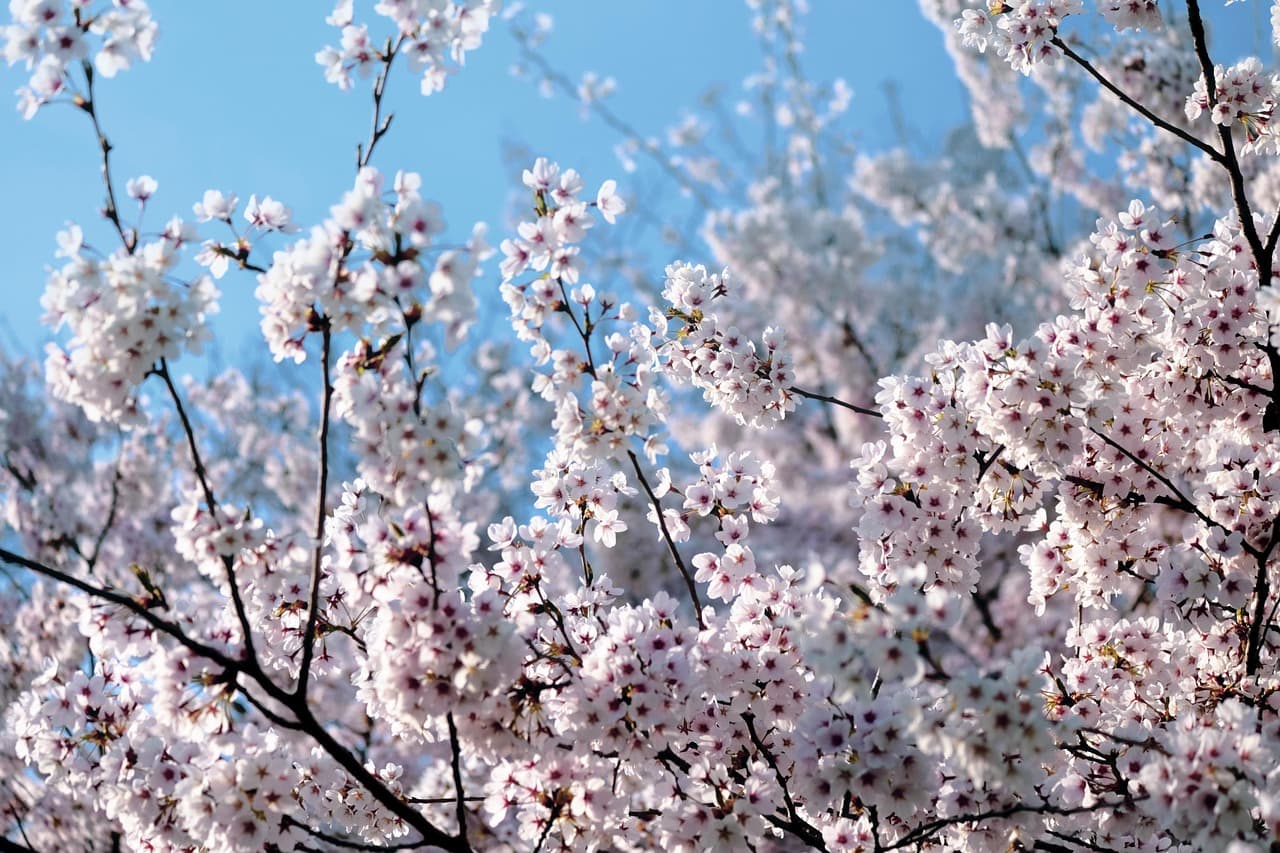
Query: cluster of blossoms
428,652
203,781
434,35
1021,32
753,385
405,449
1089,408
1243,93
734,489
264,217
591,420
318,279
125,314
735,759
547,243
49,36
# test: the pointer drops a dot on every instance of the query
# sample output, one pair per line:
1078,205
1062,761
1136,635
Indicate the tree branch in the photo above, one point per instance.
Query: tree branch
1186,137
128,239
671,543
922,832
1228,159
835,401
565,85
794,824
322,487
148,616
455,762
202,475
364,153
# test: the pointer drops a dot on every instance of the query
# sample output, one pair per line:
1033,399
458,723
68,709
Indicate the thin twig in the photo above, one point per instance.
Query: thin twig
364,153
835,401
91,561
614,121
921,833
202,475
671,543
322,512
112,212
1182,499
1186,137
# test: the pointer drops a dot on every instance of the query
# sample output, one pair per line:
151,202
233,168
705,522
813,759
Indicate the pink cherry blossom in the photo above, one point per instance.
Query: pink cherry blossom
924,505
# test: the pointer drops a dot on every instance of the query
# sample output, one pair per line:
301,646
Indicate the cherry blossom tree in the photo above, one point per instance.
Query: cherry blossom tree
730,563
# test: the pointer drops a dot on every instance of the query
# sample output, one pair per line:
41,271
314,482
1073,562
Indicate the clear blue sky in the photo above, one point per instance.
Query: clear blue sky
234,100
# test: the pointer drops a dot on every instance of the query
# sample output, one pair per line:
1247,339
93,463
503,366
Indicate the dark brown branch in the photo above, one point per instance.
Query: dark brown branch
128,239
433,559
202,475
1269,249
1261,592
1262,254
306,720
985,461
18,822
1181,499
671,543
1239,383
835,401
982,603
7,846
431,834
1133,498
794,824
278,719
922,833
588,576
556,807
364,153
1228,159
549,608
584,333
322,512
140,611
1070,839
1134,105
455,762
289,820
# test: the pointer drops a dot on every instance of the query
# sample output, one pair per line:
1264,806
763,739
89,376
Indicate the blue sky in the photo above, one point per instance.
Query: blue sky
234,100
